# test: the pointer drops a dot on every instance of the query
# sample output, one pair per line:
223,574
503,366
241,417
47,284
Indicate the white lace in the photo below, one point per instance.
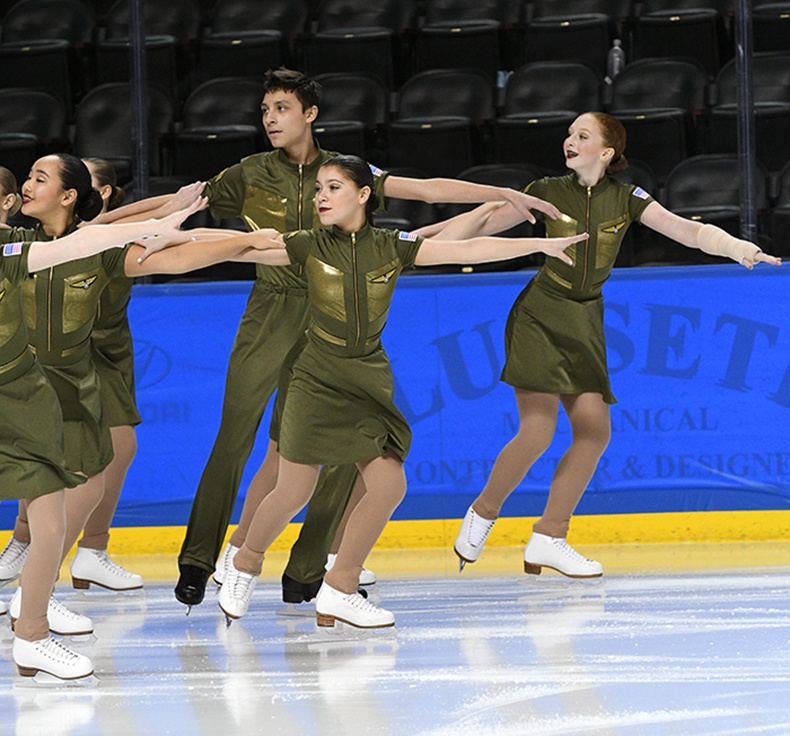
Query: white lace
12,553
479,529
110,565
361,603
241,584
569,551
56,608
53,650
223,565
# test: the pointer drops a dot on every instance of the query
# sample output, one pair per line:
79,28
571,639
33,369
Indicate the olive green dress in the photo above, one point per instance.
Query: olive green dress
113,354
265,190
554,339
339,405
32,460
60,306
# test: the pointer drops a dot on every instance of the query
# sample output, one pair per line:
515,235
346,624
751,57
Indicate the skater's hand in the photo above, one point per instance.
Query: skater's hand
556,246
524,203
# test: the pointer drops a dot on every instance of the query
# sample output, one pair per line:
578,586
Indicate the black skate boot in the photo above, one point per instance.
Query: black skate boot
296,592
191,585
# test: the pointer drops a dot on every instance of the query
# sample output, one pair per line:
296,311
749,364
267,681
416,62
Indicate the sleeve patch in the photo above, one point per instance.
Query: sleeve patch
375,170
641,193
12,249
411,237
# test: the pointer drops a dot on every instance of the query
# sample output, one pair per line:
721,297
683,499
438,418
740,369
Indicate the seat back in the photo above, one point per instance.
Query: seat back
660,83
395,15
359,97
223,101
287,16
709,181
33,111
771,79
103,124
67,20
445,11
177,18
447,92
550,86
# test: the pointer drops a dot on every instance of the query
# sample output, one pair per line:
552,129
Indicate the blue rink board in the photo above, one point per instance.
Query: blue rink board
699,358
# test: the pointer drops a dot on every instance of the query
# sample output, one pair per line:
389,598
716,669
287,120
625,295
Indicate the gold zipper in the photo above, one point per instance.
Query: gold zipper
356,289
587,243
49,308
300,226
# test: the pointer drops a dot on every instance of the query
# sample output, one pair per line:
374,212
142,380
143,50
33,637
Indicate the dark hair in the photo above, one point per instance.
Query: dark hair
613,134
75,175
359,172
8,185
306,89
105,174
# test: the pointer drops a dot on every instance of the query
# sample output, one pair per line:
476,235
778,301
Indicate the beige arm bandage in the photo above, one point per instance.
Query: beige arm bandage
715,241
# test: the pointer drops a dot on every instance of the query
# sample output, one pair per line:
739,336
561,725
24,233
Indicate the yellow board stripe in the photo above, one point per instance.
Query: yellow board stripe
674,527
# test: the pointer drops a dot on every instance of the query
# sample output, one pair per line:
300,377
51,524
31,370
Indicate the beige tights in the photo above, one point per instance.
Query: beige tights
295,486
357,492
590,426
262,484
47,522
97,528
386,481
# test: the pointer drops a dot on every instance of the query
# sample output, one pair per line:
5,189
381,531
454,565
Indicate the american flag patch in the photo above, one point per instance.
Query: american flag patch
375,170
12,249
641,193
407,236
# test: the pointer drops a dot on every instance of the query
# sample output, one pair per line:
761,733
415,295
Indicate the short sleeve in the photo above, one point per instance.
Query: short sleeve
379,177
225,192
114,261
408,245
297,246
637,201
536,188
13,262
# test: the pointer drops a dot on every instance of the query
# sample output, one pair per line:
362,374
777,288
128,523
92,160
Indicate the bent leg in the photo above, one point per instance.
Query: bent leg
97,529
385,482
47,519
537,414
261,485
295,484
325,512
591,429
80,503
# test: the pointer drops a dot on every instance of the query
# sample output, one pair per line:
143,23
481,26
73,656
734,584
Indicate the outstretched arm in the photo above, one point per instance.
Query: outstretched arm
455,190
704,236
88,241
487,219
261,246
485,249
153,207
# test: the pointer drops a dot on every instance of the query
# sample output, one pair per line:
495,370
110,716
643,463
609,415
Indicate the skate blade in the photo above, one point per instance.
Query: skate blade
343,633
292,610
45,680
461,564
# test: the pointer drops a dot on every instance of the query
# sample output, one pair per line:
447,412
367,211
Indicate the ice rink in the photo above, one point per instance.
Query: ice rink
687,639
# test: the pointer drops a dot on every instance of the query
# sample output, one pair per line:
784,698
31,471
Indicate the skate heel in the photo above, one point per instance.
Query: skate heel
13,623
27,671
324,619
80,584
532,569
